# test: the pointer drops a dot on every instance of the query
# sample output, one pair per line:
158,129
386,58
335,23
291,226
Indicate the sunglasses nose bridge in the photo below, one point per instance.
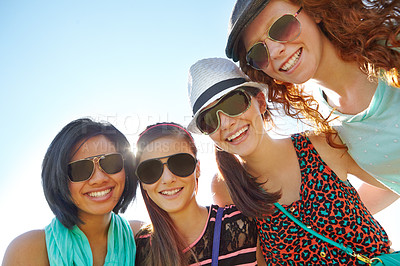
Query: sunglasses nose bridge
167,176
96,161
274,48
95,173
224,119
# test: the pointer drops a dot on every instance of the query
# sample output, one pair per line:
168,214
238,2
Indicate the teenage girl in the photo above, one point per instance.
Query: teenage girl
303,173
347,52
181,231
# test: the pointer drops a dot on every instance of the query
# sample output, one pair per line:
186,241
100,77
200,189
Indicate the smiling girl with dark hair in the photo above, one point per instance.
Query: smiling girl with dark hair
88,178
301,174
181,231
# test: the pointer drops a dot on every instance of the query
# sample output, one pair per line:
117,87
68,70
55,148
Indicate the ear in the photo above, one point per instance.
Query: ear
260,97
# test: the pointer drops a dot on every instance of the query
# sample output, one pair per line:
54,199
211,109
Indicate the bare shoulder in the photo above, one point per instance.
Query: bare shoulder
220,191
27,249
337,159
322,146
136,225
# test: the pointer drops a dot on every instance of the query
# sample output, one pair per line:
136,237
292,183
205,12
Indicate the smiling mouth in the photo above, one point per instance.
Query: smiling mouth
171,192
292,61
99,193
237,134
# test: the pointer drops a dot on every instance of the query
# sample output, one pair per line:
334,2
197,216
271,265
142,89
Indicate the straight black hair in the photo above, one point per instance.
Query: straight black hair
55,164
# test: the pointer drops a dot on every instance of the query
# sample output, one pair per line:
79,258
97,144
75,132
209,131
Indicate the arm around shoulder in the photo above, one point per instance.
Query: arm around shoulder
27,249
373,193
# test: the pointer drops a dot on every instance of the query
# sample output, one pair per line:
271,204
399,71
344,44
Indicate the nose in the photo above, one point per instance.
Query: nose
225,121
167,176
98,176
275,49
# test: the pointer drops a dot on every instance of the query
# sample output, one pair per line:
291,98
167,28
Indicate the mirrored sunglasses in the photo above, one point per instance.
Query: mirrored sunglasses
285,29
180,164
232,104
83,170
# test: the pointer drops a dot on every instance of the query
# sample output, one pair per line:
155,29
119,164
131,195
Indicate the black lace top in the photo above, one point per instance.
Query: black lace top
237,245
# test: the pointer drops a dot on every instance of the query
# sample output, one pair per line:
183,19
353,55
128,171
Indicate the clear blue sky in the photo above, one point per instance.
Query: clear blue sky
122,61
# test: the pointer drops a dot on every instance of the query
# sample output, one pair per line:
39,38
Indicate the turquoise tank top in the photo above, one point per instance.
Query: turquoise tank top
373,135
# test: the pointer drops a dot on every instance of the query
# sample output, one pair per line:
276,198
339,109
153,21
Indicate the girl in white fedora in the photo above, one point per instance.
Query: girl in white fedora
303,173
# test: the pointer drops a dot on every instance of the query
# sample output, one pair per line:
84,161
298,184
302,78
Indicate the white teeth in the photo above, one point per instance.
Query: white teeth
292,61
237,134
99,193
170,192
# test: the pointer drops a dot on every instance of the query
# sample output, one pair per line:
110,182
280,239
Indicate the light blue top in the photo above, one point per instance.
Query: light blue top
71,247
373,135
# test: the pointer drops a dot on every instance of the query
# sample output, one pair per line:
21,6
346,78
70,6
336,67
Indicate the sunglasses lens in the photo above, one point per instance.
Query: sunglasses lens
207,121
112,163
80,170
149,171
257,56
232,104
285,29
182,164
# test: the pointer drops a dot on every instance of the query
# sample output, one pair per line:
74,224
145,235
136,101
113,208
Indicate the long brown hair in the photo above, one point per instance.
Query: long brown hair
362,31
247,194
166,245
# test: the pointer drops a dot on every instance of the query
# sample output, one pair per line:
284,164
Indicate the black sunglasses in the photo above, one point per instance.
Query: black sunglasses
232,104
180,164
83,170
285,29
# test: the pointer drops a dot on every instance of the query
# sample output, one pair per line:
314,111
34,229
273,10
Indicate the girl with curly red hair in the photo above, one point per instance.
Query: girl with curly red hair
347,51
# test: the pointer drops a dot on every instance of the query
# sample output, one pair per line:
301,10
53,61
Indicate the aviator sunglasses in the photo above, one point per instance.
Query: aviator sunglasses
83,170
285,29
180,164
232,104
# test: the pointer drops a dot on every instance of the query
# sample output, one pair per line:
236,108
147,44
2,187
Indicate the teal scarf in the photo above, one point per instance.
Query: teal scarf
71,247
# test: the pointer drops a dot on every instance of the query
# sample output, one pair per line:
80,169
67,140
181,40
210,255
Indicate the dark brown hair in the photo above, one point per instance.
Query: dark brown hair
247,194
55,167
166,245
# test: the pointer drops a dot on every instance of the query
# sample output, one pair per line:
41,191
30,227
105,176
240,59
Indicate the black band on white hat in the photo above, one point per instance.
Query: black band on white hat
214,90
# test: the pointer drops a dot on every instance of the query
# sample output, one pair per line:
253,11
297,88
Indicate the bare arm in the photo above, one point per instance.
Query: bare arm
220,191
376,199
374,194
27,249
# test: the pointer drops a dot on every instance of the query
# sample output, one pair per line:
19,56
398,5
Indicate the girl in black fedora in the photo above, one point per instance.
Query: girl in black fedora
301,175
346,52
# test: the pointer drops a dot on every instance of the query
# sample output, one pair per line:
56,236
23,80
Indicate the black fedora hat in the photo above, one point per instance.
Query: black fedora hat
243,13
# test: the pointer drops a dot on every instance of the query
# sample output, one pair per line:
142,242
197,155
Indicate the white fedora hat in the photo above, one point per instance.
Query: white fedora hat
212,78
